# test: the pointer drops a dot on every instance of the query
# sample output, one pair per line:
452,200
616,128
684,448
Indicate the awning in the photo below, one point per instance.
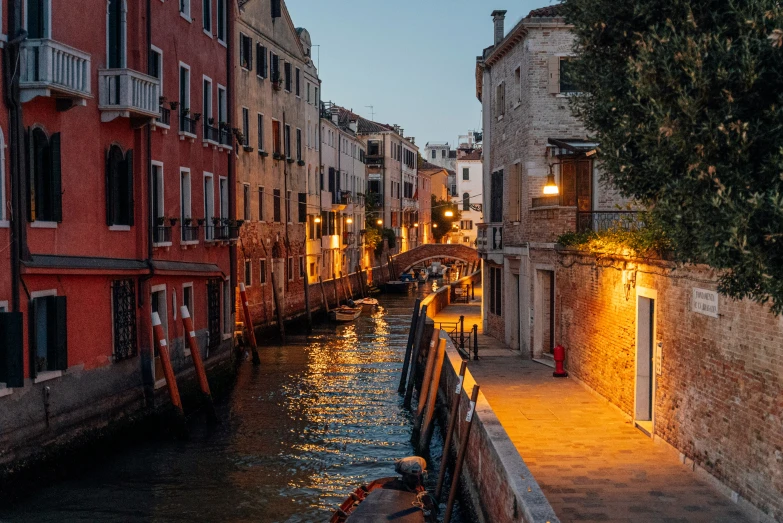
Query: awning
572,146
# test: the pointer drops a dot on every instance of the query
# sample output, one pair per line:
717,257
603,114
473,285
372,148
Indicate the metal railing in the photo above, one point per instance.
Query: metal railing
129,91
48,64
161,234
465,342
225,137
187,124
164,117
211,134
189,233
221,233
599,221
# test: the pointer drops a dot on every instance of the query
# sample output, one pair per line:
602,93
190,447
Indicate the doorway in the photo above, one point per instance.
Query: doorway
158,302
645,340
544,313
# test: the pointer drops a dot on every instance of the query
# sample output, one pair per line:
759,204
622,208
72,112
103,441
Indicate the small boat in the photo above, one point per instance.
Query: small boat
422,276
398,287
402,499
367,304
345,314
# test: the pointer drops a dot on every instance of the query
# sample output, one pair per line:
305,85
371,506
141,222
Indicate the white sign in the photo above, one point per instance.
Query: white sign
658,358
705,302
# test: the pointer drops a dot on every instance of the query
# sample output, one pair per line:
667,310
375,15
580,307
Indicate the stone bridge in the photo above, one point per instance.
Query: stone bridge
426,254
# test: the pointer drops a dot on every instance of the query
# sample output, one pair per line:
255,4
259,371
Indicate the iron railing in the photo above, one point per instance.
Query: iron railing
164,117
124,311
161,234
211,134
189,233
187,124
599,221
225,137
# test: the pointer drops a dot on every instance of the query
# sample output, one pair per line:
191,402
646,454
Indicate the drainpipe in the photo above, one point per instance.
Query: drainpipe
232,189
11,70
148,214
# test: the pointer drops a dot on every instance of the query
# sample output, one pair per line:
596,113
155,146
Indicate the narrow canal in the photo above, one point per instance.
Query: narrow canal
317,418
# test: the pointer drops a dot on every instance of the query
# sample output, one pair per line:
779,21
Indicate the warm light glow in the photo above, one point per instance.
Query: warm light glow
415,224
448,214
349,220
434,225
551,189
317,219
379,222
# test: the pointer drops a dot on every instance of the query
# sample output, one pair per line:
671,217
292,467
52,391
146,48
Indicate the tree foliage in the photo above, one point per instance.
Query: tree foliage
685,97
439,208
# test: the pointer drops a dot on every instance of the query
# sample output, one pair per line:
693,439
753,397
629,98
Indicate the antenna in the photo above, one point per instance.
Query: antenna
372,111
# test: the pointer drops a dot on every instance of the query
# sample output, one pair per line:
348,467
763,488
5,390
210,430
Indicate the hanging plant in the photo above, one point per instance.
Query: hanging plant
161,100
201,221
174,105
173,221
197,117
211,121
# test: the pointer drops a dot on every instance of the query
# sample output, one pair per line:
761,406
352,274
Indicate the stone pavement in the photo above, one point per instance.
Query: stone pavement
591,463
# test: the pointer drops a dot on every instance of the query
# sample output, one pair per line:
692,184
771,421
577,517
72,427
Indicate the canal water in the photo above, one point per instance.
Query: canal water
319,417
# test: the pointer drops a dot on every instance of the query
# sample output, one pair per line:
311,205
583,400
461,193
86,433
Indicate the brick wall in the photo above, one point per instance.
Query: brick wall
718,397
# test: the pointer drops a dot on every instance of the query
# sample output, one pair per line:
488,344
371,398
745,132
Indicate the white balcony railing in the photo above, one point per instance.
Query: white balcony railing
489,237
125,93
49,68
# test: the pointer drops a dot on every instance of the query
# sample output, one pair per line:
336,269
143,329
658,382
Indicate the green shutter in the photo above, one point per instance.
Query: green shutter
35,307
30,146
129,181
58,347
111,177
56,179
11,349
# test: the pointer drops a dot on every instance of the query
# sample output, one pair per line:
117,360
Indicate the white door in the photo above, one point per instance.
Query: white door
644,355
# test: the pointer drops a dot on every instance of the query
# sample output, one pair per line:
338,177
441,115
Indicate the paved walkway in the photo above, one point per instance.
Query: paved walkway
590,462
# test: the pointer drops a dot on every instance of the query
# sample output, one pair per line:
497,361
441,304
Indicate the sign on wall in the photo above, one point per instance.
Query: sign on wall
705,302
659,358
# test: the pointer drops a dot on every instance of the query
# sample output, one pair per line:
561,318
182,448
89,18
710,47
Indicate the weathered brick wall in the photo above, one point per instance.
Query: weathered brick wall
718,398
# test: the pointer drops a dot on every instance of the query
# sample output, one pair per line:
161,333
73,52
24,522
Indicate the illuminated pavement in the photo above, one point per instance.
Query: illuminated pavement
591,463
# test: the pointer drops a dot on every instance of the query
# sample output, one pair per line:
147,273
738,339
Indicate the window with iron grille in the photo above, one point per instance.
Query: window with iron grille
213,313
124,307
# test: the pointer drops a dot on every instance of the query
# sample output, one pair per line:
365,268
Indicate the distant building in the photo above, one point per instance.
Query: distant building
469,182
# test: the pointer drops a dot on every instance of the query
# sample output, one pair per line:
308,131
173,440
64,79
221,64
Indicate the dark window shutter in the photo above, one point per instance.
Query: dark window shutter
249,51
277,10
34,311
264,64
129,180
56,179
111,189
11,349
30,144
58,349
259,60
302,207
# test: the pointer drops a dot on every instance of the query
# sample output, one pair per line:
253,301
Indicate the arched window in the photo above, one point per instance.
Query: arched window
46,183
119,187
465,202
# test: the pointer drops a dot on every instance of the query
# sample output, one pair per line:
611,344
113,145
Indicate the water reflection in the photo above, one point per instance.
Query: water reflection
298,433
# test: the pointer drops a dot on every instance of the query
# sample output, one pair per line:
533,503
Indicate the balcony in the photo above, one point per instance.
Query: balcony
599,221
190,233
161,235
211,136
187,127
489,241
221,233
225,139
125,93
55,70
163,121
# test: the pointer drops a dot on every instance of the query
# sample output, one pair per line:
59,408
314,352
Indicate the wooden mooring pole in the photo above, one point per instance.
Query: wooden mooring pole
409,346
276,295
425,384
415,357
323,294
463,449
180,422
198,364
453,415
336,294
251,331
307,303
432,397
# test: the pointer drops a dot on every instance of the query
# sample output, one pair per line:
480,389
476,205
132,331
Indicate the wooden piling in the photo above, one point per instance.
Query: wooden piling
307,303
276,295
323,294
171,380
336,294
463,448
251,331
415,357
453,415
425,382
409,346
198,364
345,290
348,281
427,426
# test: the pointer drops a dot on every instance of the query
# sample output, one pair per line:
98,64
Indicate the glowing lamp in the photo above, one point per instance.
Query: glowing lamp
551,189
379,222
415,224
349,220
317,219
434,225
448,214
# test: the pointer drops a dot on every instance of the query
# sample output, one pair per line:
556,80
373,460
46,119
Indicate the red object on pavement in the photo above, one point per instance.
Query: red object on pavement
559,354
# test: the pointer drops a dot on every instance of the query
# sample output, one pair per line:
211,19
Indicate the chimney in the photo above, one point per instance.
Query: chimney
499,16
353,125
336,115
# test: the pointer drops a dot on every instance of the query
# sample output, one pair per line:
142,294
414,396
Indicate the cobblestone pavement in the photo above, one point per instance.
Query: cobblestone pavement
591,463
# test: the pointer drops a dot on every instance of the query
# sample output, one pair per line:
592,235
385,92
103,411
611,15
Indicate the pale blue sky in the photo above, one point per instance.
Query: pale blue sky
414,60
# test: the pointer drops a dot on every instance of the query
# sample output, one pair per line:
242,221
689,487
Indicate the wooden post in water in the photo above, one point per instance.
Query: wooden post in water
463,448
453,415
348,281
251,331
336,294
432,400
171,380
345,290
362,281
276,295
307,302
415,357
409,346
198,363
425,384
323,294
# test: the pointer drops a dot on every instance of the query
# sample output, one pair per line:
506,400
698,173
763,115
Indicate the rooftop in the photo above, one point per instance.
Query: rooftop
549,11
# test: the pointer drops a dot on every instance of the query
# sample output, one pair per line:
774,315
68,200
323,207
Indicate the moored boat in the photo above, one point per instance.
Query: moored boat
367,304
398,287
423,276
345,314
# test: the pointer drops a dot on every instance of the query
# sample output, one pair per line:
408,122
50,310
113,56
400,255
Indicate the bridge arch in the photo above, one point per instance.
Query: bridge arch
434,251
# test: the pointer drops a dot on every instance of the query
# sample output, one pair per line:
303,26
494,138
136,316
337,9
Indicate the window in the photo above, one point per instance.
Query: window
302,207
246,201
116,34
11,347
245,51
119,187
158,209
48,334
275,72
46,184
184,9
496,197
245,127
495,290
434,154
276,202
290,268
184,89
567,83
222,104
261,61
466,225
206,10
466,173
297,83
37,16
262,274
248,273
260,132
277,10
222,18
518,85
287,69
155,65
443,153
207,107
301,267
288,206
500,100
228,325
288,141
299,145
223,188
185,200
209,207
276,143
465,202
576,181
187,300
260,204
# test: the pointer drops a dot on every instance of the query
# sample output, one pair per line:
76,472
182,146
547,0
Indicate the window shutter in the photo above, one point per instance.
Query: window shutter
568,184
264,63
249,53
554,74
259,59
111,189
11,349
36,305
30,144
58,324
513,196
56,179
129,180
276,9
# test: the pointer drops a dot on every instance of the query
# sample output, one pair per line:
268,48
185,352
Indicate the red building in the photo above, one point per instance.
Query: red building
120,167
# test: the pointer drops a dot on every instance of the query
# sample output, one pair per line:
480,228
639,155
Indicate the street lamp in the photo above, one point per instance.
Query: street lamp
379,222
434,225
317,219
416,224
449,214
551,189
349,221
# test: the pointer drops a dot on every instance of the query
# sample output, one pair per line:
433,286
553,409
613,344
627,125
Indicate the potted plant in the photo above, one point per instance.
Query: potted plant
185,111
300,163
173,221
277,156
240,223
197,116
187,221
160,220
201,221
161,100
263,153
211,121
216,220
290,160
173,105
